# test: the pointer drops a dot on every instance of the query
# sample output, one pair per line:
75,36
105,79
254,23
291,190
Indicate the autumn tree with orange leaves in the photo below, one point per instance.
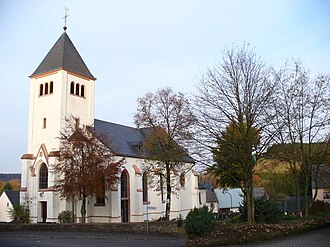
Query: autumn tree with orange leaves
86,165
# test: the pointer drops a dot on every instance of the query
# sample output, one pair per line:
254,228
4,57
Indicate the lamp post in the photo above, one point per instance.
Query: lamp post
231,201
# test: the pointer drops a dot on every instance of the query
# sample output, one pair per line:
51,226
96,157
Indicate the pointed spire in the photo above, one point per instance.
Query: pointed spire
63,55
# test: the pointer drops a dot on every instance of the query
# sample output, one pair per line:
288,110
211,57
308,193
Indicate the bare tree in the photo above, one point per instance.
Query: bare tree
237,92
86,166
302,121
169,120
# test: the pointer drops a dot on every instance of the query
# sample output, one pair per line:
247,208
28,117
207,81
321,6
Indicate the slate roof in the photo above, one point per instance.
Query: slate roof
124,140
13,196
210,194
63,55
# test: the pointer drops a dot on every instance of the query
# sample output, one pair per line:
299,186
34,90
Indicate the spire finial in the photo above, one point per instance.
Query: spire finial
65,18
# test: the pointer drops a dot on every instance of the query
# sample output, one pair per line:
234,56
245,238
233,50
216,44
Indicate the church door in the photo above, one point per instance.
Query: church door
44,211
124,191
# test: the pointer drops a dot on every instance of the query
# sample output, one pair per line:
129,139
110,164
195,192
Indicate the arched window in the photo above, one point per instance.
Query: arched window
46,88
125,200
77,89
41,90
43,177
51,87
182,180
82,91
124,184
72,88
145,186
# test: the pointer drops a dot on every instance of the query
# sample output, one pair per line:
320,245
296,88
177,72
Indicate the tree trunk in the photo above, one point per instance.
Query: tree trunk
83,209
72,213
168,192
297,190
250,202
306,194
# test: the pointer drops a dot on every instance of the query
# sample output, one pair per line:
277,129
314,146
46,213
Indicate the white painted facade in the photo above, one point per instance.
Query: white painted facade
322,195
5,206
47,113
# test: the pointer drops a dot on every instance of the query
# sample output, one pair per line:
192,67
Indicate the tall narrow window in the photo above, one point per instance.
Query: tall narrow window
46,88
182,180
44,123
125,200
82,91
145,186
124,184
77,88
51,87
100,196
41,90
43,177
72,88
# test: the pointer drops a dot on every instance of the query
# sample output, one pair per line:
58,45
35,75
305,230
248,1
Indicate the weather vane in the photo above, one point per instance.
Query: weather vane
65,17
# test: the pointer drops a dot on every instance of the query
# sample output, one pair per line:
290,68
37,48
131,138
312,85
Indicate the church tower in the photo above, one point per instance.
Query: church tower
61,87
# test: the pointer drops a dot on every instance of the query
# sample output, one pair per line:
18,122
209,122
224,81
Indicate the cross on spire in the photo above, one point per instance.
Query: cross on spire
65,17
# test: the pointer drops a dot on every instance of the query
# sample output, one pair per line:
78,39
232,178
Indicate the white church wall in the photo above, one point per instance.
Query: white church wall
44,107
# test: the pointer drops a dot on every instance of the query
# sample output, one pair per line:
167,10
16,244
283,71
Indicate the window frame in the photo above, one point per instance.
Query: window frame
43,176
41,90
51,87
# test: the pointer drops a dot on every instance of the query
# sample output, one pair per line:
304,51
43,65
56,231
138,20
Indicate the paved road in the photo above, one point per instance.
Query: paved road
85,239
317,238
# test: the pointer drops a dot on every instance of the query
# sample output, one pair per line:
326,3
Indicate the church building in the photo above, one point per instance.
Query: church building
60,87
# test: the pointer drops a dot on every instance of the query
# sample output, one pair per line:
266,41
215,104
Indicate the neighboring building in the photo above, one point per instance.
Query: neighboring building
208,196
8,199
321,183
62,86
231,199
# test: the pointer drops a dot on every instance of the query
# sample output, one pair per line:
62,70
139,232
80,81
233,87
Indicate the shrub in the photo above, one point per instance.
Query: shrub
199,221
19,214
265,211
65,217
319,208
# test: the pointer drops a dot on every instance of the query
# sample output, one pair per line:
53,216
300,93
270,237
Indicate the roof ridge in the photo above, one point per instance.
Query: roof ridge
104,121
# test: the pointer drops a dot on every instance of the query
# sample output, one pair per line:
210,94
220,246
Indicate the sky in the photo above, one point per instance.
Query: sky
136,47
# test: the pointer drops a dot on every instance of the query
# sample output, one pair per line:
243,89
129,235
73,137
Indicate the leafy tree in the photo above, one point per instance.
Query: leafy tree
302,122
237,94
230,166
169,120
7,186
86,165
15,184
